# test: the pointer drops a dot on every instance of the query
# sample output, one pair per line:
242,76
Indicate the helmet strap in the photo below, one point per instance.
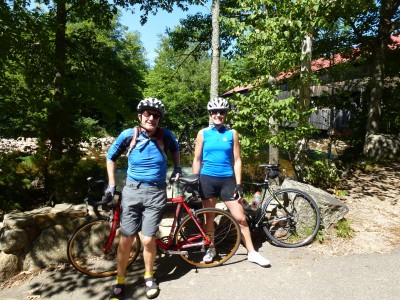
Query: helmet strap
141,128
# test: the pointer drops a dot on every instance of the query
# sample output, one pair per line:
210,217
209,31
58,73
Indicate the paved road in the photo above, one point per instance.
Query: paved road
294,274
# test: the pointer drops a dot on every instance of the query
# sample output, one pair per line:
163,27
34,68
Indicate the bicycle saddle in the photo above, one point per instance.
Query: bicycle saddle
191,179
269,166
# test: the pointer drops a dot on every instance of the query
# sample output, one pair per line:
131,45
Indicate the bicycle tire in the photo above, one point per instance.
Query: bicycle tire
226,239
85,249
295,228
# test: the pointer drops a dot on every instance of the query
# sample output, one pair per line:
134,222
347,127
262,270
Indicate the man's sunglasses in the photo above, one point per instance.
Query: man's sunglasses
148,114
216,112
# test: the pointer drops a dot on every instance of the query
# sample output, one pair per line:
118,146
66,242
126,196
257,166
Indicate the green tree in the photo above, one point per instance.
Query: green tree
98,77
373,30
107,65
182,81
275,38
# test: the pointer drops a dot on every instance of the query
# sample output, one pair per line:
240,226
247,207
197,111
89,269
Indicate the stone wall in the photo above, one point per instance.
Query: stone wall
38,238
29,145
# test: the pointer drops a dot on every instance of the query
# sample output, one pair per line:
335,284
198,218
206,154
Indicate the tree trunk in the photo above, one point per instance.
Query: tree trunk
214,88
378,74
58,109
305,91
273,150
304,103
55,127
377,78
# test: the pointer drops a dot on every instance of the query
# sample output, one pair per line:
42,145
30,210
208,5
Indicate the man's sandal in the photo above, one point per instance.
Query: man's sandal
118,292
152,289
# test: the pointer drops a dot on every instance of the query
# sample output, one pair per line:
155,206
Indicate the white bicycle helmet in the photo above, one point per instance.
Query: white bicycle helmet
218,103
151,103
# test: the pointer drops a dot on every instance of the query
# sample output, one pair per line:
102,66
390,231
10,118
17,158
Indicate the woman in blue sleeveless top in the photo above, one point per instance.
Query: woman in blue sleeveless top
217,160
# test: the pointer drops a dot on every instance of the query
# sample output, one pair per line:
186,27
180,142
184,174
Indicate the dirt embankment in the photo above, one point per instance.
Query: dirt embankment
373,197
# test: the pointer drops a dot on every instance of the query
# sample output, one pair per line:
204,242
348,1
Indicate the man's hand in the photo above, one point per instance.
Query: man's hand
110,190
238,193
176,174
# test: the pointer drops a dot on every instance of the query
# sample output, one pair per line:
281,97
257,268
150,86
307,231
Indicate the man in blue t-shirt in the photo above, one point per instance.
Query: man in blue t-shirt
144,194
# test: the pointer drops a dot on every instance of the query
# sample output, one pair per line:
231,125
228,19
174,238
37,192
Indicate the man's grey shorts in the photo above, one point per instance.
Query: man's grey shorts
141,205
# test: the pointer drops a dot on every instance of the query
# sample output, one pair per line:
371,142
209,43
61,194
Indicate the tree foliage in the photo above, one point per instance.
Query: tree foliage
182,82
69,71
269,35
60,83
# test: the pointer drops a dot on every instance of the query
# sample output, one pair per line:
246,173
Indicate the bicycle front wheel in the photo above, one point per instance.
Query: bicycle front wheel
292,218
227,237
85,249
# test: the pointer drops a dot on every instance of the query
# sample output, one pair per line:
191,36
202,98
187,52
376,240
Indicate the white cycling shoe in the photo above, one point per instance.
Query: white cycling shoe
210,254
257,258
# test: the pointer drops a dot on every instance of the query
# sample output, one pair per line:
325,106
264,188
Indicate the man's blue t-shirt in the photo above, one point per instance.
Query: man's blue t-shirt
217,156
146,163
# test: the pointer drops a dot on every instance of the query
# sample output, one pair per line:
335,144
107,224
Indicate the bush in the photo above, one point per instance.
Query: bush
322,173
16,176
22,183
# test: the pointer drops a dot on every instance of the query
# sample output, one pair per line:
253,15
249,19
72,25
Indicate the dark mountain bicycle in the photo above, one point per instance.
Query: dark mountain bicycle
92,248
289,217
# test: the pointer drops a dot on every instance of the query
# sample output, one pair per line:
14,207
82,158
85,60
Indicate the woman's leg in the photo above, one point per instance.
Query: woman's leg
236,209
209,226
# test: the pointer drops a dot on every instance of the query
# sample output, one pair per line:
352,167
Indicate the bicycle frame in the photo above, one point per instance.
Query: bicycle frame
258,219
114,226
170,246
289,217
93,249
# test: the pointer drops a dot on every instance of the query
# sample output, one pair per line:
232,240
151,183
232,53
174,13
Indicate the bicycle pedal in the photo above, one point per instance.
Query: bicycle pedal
177,252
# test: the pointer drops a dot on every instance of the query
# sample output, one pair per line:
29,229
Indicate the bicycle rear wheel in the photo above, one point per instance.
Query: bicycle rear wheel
292,223
226,238
85,249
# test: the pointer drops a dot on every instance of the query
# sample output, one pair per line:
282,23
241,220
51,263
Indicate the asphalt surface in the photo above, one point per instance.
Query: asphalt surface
294,274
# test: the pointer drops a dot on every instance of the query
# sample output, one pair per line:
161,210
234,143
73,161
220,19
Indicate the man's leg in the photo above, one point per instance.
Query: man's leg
149,257
149,253
153,207
124,247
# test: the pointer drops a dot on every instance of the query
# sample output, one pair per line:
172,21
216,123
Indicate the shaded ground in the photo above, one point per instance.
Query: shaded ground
373,198
295,273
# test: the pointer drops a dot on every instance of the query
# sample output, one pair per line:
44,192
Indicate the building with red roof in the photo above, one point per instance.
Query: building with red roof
354,79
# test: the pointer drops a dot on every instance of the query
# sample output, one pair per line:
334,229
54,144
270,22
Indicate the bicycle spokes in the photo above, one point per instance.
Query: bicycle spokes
220,226
291,219
86,249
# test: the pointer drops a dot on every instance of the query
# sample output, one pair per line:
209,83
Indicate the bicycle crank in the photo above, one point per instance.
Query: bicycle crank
177,252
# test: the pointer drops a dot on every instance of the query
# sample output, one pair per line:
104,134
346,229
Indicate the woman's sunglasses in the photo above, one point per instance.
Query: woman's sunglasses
216,112
148,114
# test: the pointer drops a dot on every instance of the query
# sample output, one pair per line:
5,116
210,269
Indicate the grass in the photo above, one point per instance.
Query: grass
343,229
320,237
340,193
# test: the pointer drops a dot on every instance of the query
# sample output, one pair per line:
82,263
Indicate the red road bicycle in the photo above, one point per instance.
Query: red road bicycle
92,248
